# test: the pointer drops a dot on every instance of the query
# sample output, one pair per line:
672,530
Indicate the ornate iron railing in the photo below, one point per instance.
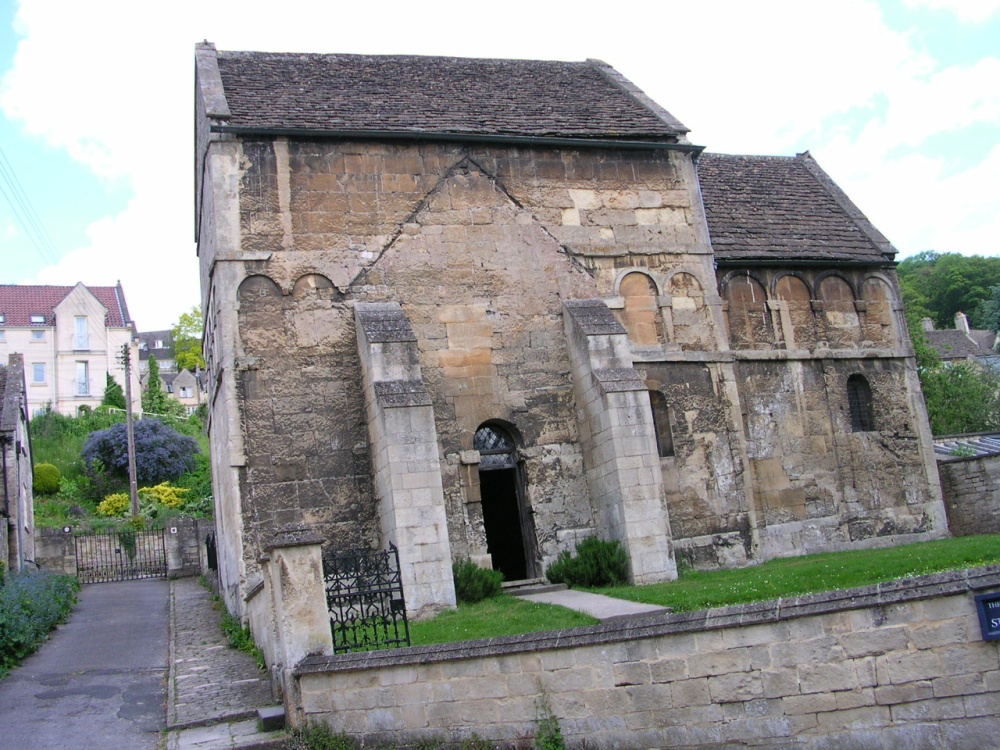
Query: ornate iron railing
364,595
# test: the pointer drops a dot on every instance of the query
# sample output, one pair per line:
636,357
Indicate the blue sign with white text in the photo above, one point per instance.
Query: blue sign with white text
988,606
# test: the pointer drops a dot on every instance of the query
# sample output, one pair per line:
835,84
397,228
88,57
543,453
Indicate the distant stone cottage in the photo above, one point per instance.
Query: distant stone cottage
488,308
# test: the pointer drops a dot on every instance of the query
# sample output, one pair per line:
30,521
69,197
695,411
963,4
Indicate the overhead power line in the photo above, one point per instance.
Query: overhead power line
24,212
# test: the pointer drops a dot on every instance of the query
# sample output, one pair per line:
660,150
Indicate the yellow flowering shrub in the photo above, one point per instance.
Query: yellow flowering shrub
114,505
165,493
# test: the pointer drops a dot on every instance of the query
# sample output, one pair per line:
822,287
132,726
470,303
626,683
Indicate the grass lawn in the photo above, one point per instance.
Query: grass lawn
490,618
776,579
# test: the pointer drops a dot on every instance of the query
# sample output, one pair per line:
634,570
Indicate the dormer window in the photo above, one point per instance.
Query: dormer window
158,344
3,319
37,320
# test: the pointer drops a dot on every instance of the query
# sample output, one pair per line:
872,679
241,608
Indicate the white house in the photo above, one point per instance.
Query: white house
71,337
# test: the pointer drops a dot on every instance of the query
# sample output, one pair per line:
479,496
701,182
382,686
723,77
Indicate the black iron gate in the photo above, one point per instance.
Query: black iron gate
120,556
364,595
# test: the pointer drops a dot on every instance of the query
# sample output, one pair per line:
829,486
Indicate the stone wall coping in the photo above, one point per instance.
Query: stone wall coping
947,583
296,537
965,459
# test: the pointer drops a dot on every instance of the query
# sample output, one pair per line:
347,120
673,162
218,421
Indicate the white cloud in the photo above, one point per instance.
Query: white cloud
967,11
155,263
111,83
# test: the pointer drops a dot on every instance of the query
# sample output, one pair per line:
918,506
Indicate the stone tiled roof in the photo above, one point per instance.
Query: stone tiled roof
331,93
763,208
19,302
954,344
984,338
151,337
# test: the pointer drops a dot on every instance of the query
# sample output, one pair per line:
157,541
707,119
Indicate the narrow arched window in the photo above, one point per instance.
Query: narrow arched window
859,399
661,424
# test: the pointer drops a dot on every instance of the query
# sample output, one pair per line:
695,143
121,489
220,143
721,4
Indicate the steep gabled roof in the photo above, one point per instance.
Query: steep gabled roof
19,302
326,94
776,208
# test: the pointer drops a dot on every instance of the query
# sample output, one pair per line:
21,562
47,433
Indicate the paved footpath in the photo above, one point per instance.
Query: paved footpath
213,690
97,683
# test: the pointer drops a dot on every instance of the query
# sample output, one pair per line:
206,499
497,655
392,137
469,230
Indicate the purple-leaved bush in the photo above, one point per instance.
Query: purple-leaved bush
161,453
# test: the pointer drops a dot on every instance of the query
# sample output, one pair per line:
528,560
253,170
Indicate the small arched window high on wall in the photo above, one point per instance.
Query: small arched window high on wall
661,424
859,399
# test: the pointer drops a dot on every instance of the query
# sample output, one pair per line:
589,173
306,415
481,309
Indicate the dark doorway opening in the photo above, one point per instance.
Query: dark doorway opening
509,528
501,516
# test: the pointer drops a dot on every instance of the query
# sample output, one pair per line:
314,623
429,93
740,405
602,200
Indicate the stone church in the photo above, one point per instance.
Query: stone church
489,308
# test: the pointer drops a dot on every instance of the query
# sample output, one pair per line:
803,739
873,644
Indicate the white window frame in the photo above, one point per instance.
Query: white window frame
82,378
34,373
81,339
38,335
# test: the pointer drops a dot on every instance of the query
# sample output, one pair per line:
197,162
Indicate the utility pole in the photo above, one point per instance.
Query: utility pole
126,360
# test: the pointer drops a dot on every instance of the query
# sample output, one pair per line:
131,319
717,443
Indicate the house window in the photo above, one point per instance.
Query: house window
3,319
661,424
82,379
38,335
80,338
37,320
38,373
859,400
158,344
187,391
2,335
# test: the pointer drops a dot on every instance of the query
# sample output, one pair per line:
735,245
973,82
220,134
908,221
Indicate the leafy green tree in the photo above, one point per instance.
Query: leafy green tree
961,398
114,395
943,284
187,340
154,399
988,313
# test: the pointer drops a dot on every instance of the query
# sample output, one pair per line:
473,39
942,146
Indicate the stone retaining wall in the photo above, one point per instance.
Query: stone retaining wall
184,538
971,488
900,664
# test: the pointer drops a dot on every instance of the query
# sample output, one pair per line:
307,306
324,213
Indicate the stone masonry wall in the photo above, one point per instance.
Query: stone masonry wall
971,489
480,246
818,483
900,664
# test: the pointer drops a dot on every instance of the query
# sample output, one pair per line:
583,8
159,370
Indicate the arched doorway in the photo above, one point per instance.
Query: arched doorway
509,529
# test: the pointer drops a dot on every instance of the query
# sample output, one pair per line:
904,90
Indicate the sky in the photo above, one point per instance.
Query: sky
898,100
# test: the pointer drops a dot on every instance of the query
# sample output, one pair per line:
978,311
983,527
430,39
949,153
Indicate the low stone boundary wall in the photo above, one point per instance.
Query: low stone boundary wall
900,664
971,489
185,545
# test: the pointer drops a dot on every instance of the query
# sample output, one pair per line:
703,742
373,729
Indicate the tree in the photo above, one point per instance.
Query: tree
187,340
161,453
961,398
154,399
942,284
114,395
989,310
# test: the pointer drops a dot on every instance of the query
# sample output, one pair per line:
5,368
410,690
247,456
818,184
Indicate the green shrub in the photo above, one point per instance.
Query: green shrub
320,737
596,563
31,604
45,479
473,584
241,638
548,736
117,504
